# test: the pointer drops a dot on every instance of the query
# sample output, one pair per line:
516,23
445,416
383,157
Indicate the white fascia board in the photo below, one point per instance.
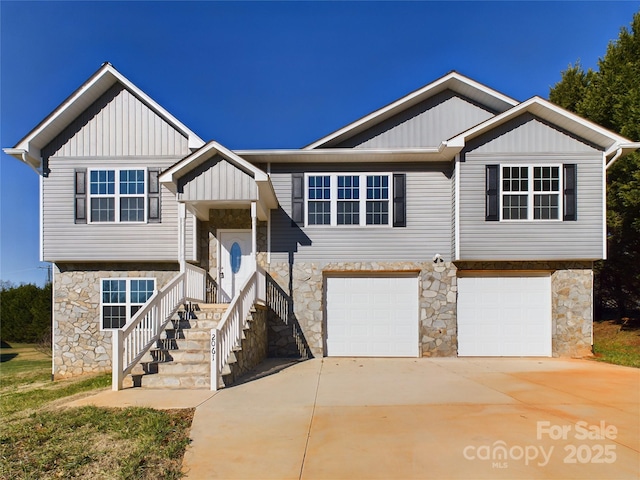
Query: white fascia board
626,148
443,83
196,158
443,152
29,142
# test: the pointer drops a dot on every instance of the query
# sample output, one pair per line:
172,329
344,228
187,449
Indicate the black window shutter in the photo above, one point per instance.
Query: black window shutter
297,198
492,194
153,189
570,193
80,198
399,200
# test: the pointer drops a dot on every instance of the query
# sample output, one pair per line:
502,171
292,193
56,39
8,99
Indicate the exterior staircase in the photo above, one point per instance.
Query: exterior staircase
181,358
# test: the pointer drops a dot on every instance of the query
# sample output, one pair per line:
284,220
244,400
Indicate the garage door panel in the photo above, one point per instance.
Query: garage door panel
372,316
504,316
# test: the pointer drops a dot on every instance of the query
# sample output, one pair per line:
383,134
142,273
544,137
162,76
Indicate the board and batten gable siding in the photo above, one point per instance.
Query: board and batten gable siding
217,179
116,131
118,124
64,240
428,213
530,141
426,124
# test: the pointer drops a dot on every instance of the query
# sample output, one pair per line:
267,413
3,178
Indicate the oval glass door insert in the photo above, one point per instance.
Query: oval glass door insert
236,257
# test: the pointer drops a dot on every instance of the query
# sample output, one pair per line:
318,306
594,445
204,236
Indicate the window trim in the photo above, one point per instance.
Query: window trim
362,200
128,303
117,196
531,192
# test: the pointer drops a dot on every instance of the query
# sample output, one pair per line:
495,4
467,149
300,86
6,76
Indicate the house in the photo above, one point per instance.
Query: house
455,221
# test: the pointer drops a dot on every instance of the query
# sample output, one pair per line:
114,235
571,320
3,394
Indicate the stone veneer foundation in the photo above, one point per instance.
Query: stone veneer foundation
80,346
571,284
437,287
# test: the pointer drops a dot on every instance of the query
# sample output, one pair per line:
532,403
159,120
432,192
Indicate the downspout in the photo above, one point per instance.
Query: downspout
604,202
615,157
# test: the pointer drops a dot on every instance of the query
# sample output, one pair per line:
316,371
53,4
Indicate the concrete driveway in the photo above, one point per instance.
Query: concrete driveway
444,418
449,418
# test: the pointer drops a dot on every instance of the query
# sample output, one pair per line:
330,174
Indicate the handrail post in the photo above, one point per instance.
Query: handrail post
215,351
116,360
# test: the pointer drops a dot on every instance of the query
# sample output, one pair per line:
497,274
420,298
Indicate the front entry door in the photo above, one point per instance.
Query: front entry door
235,262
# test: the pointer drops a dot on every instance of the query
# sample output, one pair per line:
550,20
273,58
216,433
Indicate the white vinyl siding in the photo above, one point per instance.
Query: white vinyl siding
426,124
428,230
541,239
118,124
217,179
118,131
63,240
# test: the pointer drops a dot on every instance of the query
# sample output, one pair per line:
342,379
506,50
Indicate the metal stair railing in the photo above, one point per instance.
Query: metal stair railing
131,342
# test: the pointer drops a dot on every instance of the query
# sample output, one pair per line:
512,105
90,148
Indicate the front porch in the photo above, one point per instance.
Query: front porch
230,201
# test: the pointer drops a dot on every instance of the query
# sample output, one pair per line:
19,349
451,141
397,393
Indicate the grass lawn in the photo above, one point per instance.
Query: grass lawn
613,343
41,439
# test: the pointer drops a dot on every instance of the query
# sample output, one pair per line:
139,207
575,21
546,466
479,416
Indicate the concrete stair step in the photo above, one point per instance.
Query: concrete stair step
190,356
192,324
180,368
183,344
187,334
167,381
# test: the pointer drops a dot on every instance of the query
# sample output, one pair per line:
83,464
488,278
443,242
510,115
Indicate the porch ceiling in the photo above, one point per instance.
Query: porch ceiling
201,208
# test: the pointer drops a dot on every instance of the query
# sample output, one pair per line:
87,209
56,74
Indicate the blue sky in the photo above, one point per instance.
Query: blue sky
269,74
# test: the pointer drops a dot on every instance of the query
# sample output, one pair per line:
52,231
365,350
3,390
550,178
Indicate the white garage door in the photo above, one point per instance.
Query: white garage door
504,316
372,316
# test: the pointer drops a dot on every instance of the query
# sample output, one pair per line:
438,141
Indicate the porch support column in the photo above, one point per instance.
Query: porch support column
254,233
182,226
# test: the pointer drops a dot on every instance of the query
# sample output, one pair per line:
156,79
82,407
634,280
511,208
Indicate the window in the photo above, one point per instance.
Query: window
117,195
319,206
377,199
121,298
531,192
348,199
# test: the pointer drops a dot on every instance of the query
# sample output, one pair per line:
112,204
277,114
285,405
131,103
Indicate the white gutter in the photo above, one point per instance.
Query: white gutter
23,155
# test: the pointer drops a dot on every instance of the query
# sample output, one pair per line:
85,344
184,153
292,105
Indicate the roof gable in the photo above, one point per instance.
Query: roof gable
490,99
118,124
592,133
29,149
423,125
214,158
528,134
